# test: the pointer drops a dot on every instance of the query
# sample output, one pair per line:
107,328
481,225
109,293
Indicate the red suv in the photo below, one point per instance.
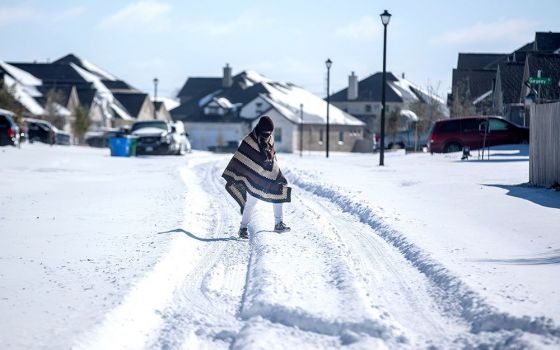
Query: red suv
451,135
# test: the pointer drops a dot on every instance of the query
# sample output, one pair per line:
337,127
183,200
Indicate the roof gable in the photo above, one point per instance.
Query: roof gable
480,60
547,42
133,102
198,86
511,78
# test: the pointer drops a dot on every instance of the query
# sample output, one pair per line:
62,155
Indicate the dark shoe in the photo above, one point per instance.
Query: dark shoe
243,233
281,227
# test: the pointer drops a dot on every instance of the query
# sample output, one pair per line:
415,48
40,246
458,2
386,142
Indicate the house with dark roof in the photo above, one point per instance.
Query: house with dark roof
111,102
507,92
218,112
544,65
472,83
496,84
362,99
547,42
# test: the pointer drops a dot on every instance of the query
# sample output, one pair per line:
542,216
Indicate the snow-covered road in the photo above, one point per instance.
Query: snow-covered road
332,281
342,277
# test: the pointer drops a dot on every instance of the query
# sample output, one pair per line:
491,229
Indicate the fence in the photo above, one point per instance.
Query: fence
544,139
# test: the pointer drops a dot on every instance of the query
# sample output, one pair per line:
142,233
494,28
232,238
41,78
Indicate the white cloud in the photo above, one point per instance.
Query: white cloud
510,30
24,13
135,15
365,28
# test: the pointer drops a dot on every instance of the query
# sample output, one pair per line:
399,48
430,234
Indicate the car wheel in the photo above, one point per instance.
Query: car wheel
452,147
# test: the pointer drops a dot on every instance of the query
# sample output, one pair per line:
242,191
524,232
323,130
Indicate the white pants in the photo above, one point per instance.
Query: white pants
250,206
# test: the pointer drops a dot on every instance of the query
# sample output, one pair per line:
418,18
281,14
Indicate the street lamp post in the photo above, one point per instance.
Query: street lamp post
328,63
385,18
155,97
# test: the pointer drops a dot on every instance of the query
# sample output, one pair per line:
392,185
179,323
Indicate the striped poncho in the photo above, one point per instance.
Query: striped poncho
248,172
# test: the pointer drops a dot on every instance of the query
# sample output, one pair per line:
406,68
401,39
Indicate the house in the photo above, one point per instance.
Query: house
473,82
507,92
72,81
362,99
496,83
221,111
545,65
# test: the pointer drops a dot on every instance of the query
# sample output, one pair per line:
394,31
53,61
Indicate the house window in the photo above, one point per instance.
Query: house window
277,135
368,108
212,110
259,107
341,137
321,136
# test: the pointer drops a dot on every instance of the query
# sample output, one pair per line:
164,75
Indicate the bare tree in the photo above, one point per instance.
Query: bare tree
462,103
428,111
55,100
81,123
395,123
8,102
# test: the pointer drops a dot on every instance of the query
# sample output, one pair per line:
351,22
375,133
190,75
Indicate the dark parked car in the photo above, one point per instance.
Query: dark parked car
100,138
43,131
451,135
160,137
9,131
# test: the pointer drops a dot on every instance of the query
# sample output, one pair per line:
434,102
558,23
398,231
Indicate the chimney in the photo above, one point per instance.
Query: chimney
227,81
403,75
352,87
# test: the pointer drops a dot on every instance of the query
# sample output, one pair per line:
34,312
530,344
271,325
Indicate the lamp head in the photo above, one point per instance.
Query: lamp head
385,17
328,63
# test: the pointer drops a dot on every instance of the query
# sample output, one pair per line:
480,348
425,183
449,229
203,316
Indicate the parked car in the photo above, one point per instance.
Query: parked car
160,137
451,135
43,131
9,130
100,138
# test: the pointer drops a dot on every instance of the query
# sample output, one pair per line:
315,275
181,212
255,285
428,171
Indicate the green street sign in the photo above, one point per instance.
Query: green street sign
540,81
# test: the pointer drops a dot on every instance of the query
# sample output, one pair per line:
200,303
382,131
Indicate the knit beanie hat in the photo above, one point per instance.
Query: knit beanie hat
265,124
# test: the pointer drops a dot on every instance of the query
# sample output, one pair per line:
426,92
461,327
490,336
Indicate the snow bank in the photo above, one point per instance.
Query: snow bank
456,296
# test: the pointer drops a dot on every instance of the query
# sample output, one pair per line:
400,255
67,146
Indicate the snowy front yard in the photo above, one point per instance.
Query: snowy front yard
100,252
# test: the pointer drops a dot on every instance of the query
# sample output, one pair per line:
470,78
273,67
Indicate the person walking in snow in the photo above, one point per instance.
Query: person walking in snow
253,174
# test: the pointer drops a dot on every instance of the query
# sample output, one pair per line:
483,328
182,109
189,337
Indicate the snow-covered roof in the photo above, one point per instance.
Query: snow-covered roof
223,102
119,111
20,75
287,98
482,97
92,78
169,103
251,77
22,96
409,114
98,71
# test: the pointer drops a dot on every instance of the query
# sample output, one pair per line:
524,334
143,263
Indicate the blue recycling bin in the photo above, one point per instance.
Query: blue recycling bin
121,146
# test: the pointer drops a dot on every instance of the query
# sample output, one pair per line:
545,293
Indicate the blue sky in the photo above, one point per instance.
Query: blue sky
284,40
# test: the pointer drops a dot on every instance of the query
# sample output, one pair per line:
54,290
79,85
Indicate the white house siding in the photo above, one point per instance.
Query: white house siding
287,129
254,108
311,135
204,135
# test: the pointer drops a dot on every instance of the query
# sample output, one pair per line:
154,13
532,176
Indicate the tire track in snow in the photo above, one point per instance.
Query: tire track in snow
454,295
301,280
189,298
203,311
390,282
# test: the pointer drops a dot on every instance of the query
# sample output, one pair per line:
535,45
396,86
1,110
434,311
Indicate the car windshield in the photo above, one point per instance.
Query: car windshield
155,124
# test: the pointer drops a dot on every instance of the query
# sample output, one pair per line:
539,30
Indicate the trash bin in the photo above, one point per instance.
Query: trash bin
120,146
133,143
